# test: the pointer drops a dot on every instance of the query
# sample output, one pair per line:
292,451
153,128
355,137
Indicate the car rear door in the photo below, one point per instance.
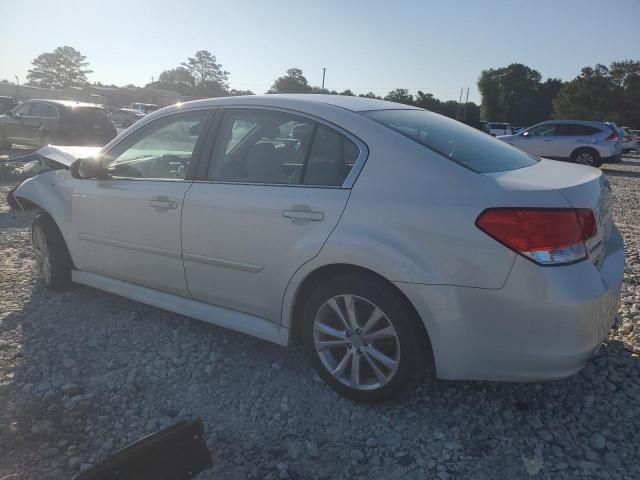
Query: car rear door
275,188
128,225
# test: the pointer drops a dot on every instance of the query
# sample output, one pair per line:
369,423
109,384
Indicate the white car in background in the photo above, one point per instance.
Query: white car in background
497,129
125,117
585,143
382,238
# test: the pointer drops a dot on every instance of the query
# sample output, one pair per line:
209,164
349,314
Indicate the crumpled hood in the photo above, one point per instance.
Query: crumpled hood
67,155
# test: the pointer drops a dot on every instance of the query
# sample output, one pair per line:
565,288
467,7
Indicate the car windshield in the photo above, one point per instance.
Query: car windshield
467,146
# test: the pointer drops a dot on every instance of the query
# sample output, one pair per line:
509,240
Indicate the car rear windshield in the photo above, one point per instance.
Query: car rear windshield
467,146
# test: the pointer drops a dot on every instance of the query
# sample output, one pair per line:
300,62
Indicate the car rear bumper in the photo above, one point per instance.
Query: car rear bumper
544,323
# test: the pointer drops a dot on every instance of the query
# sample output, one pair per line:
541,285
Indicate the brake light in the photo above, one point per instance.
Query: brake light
613,137
548,236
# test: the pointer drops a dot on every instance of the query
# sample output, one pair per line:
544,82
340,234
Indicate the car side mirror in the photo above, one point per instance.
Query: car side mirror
525,134
91,167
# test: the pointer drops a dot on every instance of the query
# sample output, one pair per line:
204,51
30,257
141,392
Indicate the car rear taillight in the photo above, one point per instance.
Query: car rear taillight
548,236
613,137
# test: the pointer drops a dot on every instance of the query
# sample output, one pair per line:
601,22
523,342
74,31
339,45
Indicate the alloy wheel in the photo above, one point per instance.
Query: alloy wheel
356,342
585,158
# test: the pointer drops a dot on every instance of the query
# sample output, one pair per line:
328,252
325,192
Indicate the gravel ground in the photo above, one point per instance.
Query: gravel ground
84,373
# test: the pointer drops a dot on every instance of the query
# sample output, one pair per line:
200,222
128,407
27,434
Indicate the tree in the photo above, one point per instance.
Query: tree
64,67
587,97
205,71
513,94
177,79
601,93
370,95
347,93
293,82
400,95
234,93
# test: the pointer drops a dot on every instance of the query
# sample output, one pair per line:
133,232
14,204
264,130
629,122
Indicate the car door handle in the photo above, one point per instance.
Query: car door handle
303,214
163,204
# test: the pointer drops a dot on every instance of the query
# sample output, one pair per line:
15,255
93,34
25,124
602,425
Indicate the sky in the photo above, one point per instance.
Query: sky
438,46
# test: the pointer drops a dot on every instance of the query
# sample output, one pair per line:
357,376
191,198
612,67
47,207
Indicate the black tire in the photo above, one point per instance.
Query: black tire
587,156
51,248
413,341
5,144
11,199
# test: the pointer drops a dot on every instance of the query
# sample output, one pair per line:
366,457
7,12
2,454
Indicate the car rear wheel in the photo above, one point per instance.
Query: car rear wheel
50,253
586,156
362,337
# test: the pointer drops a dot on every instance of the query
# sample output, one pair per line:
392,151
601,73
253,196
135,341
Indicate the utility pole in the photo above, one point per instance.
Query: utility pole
459,102
17,86
464,111
323,72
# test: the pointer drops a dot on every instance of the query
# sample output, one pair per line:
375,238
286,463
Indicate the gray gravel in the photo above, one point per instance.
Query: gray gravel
84,373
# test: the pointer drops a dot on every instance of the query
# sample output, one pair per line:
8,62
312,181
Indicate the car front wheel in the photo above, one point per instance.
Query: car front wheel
50,253
362,337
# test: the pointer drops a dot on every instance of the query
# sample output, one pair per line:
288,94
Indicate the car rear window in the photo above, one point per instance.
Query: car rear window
464,145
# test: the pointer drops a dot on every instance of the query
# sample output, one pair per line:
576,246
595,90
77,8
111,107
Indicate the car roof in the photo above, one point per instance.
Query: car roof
591,123
64,103
355,104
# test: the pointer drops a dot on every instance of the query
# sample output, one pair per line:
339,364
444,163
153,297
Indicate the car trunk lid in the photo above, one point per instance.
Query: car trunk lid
582,187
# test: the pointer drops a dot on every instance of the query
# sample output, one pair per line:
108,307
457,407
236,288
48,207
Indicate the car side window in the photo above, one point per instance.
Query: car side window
23,109
160,150
547,130
331,158
43,110
261,146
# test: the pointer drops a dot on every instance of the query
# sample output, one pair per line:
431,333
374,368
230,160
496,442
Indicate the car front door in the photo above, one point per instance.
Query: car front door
128,224
275,188
14,126
539,140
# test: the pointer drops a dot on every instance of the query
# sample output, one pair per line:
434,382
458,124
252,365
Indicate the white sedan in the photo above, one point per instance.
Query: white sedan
383,238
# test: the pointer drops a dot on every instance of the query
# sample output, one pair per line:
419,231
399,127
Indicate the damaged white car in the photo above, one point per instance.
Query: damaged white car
384,239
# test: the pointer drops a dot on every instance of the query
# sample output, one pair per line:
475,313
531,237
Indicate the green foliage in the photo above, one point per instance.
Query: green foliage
370,95
234,93
601,93
293,82
205,71
516,94
64,67
400,95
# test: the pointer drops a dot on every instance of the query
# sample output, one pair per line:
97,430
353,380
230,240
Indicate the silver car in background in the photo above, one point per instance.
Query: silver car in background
125,117
582,142
384,239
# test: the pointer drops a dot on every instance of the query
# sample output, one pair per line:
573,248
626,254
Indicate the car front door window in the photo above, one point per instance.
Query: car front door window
161,150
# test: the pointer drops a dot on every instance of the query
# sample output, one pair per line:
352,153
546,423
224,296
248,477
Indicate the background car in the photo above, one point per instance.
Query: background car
125,117
497,129
586,143
629,140
145,108
384,239
60,122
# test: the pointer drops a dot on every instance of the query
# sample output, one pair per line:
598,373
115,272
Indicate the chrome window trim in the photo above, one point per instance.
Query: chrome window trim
349,181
